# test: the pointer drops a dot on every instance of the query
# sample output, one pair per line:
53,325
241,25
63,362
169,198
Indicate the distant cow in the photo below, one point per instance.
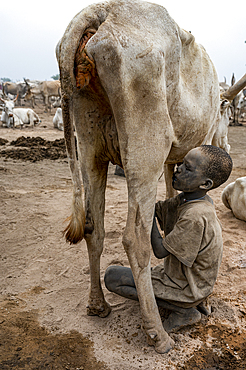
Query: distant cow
224,85
17,89
17,116
220,138
57,120
46,89
234,197
57,103
8,106
236,105
242,112
31,85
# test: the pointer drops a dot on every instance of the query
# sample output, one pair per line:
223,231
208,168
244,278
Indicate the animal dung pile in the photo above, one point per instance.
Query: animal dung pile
33,149
3,141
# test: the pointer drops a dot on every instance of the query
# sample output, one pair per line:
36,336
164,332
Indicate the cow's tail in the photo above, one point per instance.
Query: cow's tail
74,232
89,18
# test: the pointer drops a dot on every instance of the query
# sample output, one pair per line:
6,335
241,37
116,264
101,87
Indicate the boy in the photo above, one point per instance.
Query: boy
192,247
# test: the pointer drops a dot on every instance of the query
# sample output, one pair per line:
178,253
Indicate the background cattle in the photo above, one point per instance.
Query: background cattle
57,103
234,197
7,111
46,89
15,117
16,89
237,105
224,85
220,138
58,120
31,98
140,93
242,113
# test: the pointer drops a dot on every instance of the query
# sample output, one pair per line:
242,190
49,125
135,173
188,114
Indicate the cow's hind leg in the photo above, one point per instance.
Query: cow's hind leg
94,167
95,184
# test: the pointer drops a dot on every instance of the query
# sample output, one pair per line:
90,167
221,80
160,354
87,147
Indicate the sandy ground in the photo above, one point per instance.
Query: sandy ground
45,281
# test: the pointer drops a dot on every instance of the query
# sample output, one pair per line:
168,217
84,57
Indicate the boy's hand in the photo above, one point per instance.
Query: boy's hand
156,242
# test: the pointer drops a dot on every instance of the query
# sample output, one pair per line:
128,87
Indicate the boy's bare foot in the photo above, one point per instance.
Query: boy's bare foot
177,320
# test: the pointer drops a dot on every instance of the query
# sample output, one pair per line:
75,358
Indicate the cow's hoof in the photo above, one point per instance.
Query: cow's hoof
102,311
162,342
164,347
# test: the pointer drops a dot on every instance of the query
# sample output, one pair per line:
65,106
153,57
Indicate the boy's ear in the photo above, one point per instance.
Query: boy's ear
207,185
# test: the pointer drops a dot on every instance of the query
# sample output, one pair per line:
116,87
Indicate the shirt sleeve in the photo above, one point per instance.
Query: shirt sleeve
184,240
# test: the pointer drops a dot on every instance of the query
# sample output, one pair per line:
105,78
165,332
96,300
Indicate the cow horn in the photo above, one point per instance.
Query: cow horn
2,100
235,89
16,98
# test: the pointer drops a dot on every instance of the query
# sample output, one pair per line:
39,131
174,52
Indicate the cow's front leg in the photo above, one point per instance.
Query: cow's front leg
136,241
47,103
95,185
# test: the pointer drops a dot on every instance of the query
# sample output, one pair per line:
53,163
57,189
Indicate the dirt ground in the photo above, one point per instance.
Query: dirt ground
44,281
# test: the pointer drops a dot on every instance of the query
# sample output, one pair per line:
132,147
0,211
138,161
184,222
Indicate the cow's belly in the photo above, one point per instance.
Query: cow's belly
194,121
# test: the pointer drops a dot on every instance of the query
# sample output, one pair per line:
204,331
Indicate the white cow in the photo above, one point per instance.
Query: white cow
8,106
238,104
220,138
242,113
57,102
140,92
57,120
234,197
241,104
17,117
25,116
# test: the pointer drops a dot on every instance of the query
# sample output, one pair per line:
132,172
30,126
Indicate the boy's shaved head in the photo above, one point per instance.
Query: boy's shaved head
219,164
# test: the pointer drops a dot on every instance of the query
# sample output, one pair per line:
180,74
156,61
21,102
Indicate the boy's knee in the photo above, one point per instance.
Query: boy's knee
109,278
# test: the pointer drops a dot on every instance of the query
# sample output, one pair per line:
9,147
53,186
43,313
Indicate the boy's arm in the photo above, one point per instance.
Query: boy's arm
156,242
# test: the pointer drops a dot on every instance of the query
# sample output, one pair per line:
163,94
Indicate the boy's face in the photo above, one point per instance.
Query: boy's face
190,174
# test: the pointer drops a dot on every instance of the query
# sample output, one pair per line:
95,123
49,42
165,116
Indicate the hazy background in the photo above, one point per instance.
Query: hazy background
30,31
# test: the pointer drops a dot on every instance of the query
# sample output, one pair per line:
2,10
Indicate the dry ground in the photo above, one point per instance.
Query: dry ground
45,281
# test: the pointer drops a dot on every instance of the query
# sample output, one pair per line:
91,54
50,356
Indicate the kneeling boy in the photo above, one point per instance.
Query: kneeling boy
192,247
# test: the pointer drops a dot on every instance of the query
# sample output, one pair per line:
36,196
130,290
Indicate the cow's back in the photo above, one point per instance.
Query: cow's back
10,88
51,87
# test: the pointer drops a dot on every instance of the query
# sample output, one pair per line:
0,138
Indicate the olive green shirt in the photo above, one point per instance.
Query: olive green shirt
194,240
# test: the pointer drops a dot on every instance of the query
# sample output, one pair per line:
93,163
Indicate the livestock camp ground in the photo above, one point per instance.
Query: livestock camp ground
45,281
